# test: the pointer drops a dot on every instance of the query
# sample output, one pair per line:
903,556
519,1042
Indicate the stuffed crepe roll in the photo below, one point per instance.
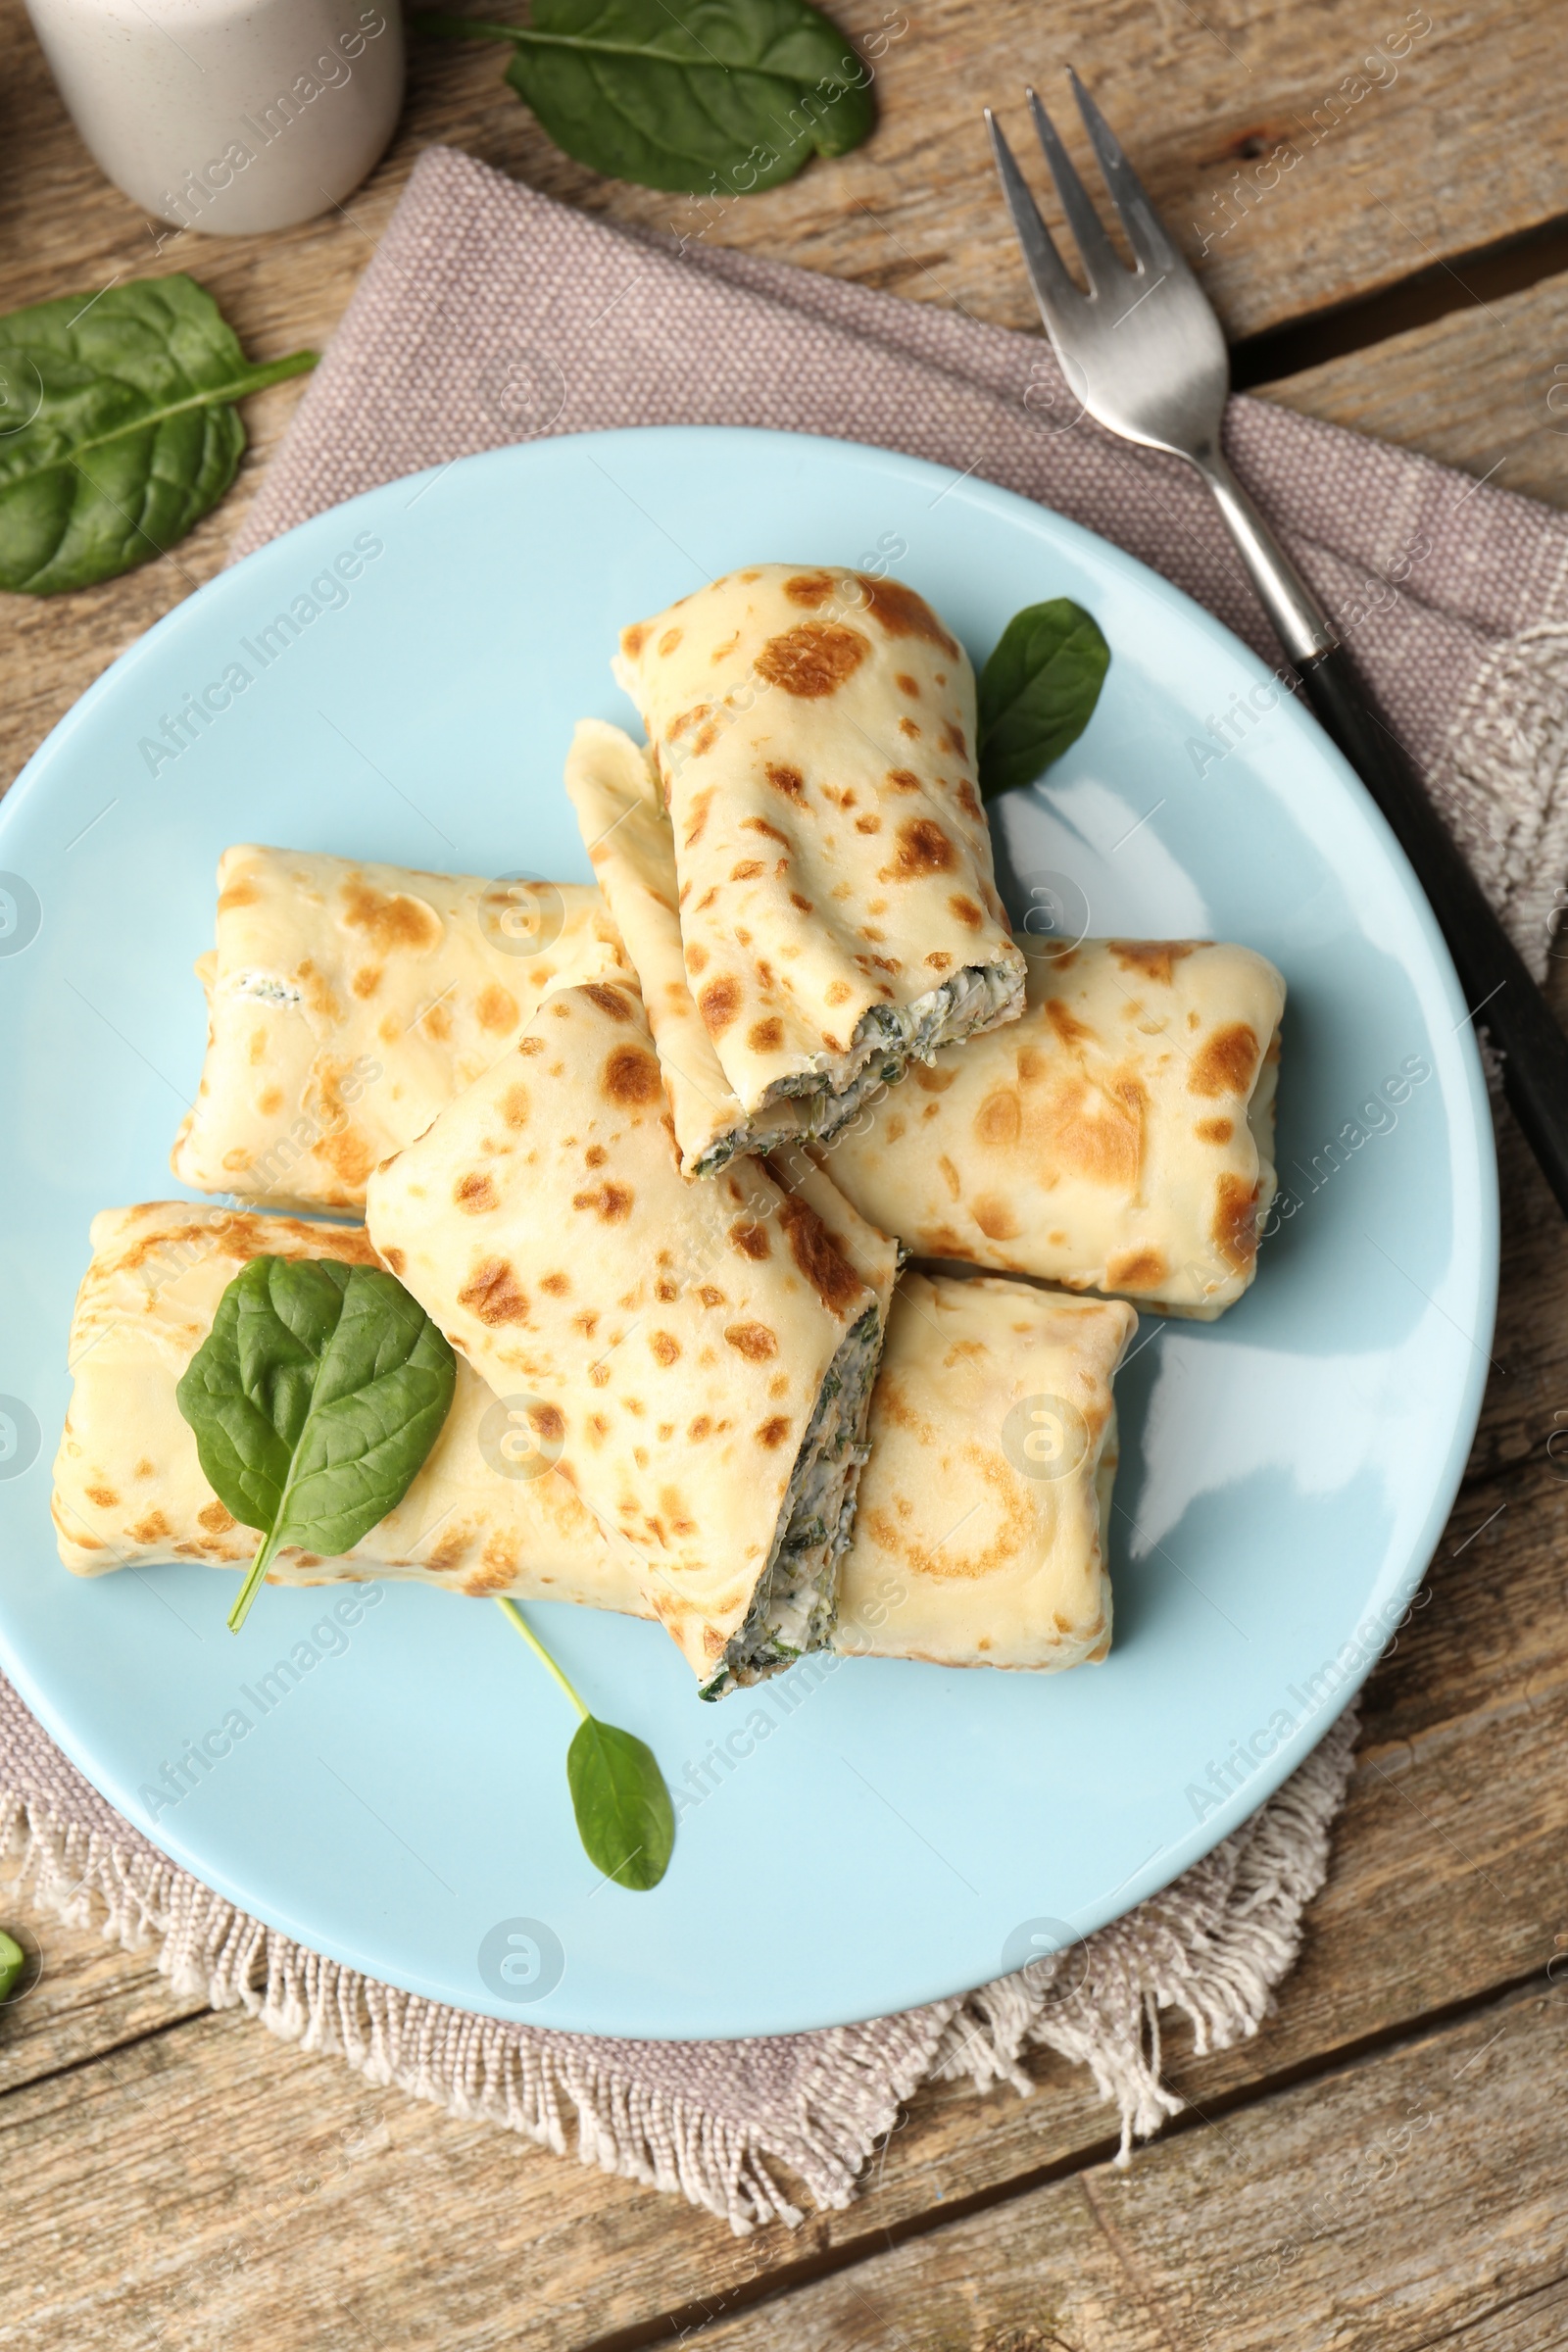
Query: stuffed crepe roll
702,1356
482,1516
814,733
347,1002
979,1540
1118,1138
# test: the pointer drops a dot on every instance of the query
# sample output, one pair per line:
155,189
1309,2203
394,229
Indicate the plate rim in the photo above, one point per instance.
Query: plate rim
33,782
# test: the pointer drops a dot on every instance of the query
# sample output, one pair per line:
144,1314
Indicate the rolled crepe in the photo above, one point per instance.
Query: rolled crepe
1118,1138
980,1535
702,1356
128,1486
626,831
814,729
347,1002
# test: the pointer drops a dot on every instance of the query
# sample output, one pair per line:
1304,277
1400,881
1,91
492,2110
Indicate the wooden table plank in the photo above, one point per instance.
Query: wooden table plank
89,1998
1485,389
1412,2200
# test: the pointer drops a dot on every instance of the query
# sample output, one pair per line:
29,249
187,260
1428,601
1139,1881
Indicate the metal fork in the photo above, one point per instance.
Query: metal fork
1146,355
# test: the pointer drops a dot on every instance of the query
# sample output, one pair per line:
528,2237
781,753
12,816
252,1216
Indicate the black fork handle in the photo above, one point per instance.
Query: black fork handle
1498,989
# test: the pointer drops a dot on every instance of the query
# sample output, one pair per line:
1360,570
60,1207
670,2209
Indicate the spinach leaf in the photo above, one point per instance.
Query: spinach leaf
13,1965
1038,692
117,428
624,1817
722,97
314,1399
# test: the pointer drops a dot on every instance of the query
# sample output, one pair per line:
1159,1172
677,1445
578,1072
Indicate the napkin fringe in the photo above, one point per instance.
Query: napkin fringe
1211,1947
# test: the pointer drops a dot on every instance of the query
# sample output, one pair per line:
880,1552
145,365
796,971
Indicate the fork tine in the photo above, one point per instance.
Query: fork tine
1053,288
1102,265
1146,232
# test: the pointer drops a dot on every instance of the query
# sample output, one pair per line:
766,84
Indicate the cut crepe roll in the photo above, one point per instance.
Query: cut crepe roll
813,732
1118,1138
626,832
702,1356
347,1002
482,1516
980,1535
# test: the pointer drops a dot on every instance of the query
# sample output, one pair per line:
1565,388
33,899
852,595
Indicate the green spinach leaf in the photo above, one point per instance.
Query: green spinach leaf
118,428
719,98
624,1817
1038,692
314,1399
13,1965
623,1807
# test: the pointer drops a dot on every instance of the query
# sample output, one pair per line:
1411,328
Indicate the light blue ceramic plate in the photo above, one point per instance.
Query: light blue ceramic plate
887,1832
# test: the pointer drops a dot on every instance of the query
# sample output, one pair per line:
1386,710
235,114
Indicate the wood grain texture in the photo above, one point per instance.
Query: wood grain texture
1409,2200
1484,389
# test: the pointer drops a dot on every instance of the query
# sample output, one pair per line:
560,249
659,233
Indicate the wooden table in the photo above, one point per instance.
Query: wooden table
1387,2164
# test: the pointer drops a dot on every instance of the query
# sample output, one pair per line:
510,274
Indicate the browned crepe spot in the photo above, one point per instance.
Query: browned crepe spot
1225,1063
476,1195
953,740
497,1009
390,921
697,959
995,1219
609,1001
932,1081
746,871
216,1519
365,981
669,640
242,892
393,1259
766,1037
1068,1027
754,1340
632,641
760,824
719,1003
751,1238
348,1156
998,1121
1137,1271
922,849
819,1257
150,1530
775,1431
514,1106
631,1076
1234,1227
611,1201
812,659
903,614
968,913
787,780
809,588
492,1293
1213,1130
1156,957
665,1347
269,1100
1097,1132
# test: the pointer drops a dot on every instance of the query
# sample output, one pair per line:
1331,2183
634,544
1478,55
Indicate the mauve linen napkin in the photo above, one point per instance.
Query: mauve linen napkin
488,315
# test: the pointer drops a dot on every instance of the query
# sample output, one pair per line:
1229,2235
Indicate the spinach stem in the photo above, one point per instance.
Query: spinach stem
256,1578
509,1609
